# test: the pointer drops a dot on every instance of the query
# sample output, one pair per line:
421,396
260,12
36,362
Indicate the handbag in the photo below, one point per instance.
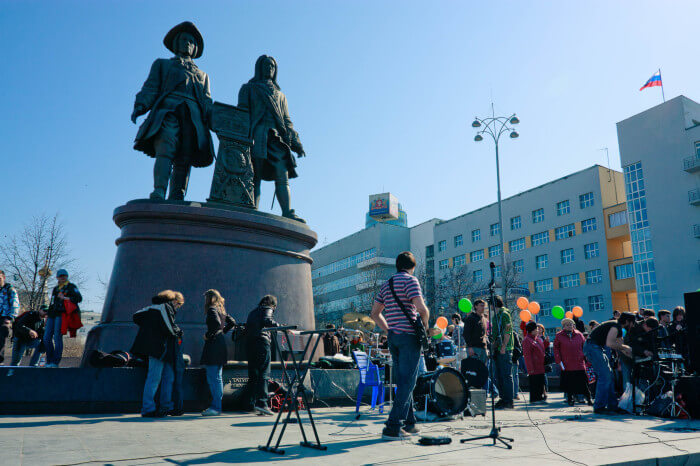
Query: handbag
418,327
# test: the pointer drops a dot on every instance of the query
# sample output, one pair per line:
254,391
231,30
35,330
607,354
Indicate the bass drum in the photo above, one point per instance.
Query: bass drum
445,390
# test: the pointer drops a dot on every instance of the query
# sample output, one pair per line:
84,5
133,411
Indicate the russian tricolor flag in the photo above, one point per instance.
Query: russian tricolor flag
653,81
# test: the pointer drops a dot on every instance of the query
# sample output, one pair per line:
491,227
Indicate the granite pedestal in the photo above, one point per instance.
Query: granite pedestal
192,247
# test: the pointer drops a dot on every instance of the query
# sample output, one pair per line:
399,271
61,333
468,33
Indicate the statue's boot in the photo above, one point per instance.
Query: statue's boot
256,191
178,182
161,175
283,195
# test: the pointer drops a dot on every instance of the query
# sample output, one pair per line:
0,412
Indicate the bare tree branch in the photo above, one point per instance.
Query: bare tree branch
31,257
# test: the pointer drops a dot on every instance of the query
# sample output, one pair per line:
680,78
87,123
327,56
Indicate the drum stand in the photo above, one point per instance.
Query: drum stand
675,407
495,433
294,386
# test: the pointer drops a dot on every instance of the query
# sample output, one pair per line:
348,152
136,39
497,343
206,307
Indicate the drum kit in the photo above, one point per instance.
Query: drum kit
445,389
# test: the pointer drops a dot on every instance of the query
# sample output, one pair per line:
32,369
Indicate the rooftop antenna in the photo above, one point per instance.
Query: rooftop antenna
610,177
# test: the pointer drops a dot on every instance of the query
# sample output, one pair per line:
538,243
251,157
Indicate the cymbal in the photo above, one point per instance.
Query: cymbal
351,316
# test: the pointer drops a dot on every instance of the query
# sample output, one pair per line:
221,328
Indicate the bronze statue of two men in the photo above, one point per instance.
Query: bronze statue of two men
176,132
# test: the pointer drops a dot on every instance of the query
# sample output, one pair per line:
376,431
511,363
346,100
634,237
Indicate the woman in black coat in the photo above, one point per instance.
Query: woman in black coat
214,354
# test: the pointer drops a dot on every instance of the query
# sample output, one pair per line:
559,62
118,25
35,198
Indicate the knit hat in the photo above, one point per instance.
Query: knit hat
62,273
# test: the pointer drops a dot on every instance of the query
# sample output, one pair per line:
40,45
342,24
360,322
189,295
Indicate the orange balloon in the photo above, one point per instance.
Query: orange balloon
525,315
569,314
522,302
533,307
577,311
441,322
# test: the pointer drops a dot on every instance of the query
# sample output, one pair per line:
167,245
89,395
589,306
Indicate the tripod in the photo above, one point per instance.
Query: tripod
495,433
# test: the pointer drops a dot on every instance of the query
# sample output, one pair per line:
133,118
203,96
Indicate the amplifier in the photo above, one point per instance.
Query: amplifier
689,389
477,402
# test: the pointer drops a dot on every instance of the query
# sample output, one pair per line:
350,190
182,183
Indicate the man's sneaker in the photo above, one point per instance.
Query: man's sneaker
390,434
410,430
176,412
210,412
149,414
264,410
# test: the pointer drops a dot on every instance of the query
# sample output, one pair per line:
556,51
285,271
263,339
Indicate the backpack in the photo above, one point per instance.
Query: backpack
517,347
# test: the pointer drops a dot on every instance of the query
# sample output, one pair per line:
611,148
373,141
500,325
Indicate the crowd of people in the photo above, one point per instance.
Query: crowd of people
41,330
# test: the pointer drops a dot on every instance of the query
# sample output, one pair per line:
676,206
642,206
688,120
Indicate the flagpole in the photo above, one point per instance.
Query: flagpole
662,86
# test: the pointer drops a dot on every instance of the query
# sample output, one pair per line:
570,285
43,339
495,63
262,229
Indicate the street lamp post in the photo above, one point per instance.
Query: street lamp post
495,127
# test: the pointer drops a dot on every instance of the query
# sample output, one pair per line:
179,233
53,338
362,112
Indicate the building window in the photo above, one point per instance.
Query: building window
570,303
640,235
543,285
596,303
515,223
563,208
538,216
546,308
345,263
497,272
458,241
567,256
442,245
586,200
591,250
541,262
476,235
495,250
429,251
459,260
518,266
478,276
567,231
443,264
569,281
517,245
594,276
539,238
476,256
494,229
697,149
624,271
617,219
589,225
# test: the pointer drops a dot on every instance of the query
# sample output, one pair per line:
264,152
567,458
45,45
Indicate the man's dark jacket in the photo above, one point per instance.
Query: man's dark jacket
258,319
57,308
157,329
475,331
27,321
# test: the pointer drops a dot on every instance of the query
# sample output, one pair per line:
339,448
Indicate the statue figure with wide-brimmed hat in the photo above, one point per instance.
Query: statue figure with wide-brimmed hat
176,131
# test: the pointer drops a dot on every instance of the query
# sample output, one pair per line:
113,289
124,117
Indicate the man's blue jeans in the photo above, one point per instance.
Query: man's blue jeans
605,386
159,373
216,386
19,347
504,375
405,353
53,340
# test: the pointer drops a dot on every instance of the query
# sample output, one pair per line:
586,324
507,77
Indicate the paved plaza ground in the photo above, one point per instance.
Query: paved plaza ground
541,433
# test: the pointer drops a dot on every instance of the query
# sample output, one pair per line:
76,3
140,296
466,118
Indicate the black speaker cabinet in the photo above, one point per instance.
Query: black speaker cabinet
692,318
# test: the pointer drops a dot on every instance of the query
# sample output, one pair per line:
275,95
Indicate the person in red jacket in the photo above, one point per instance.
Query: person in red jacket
533,350
568,353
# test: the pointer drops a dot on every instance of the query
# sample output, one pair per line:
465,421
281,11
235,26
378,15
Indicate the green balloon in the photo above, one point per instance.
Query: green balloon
437,337
558,312
465,305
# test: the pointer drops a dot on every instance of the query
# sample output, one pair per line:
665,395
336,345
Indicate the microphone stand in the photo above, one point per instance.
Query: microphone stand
495,431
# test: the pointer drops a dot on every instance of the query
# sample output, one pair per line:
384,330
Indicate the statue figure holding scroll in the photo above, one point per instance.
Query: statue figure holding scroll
272,132
176,131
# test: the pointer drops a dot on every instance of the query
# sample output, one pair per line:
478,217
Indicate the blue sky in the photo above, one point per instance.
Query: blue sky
381,92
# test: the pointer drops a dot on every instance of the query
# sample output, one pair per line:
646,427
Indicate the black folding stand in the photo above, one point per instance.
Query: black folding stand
294,386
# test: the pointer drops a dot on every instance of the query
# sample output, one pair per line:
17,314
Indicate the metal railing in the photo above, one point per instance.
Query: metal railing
694,196
691,164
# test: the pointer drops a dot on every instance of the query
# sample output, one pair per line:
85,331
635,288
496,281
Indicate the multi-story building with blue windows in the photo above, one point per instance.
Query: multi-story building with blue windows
566,243
660,157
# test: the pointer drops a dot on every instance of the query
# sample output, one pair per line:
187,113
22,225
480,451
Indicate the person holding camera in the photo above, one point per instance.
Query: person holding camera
65,295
